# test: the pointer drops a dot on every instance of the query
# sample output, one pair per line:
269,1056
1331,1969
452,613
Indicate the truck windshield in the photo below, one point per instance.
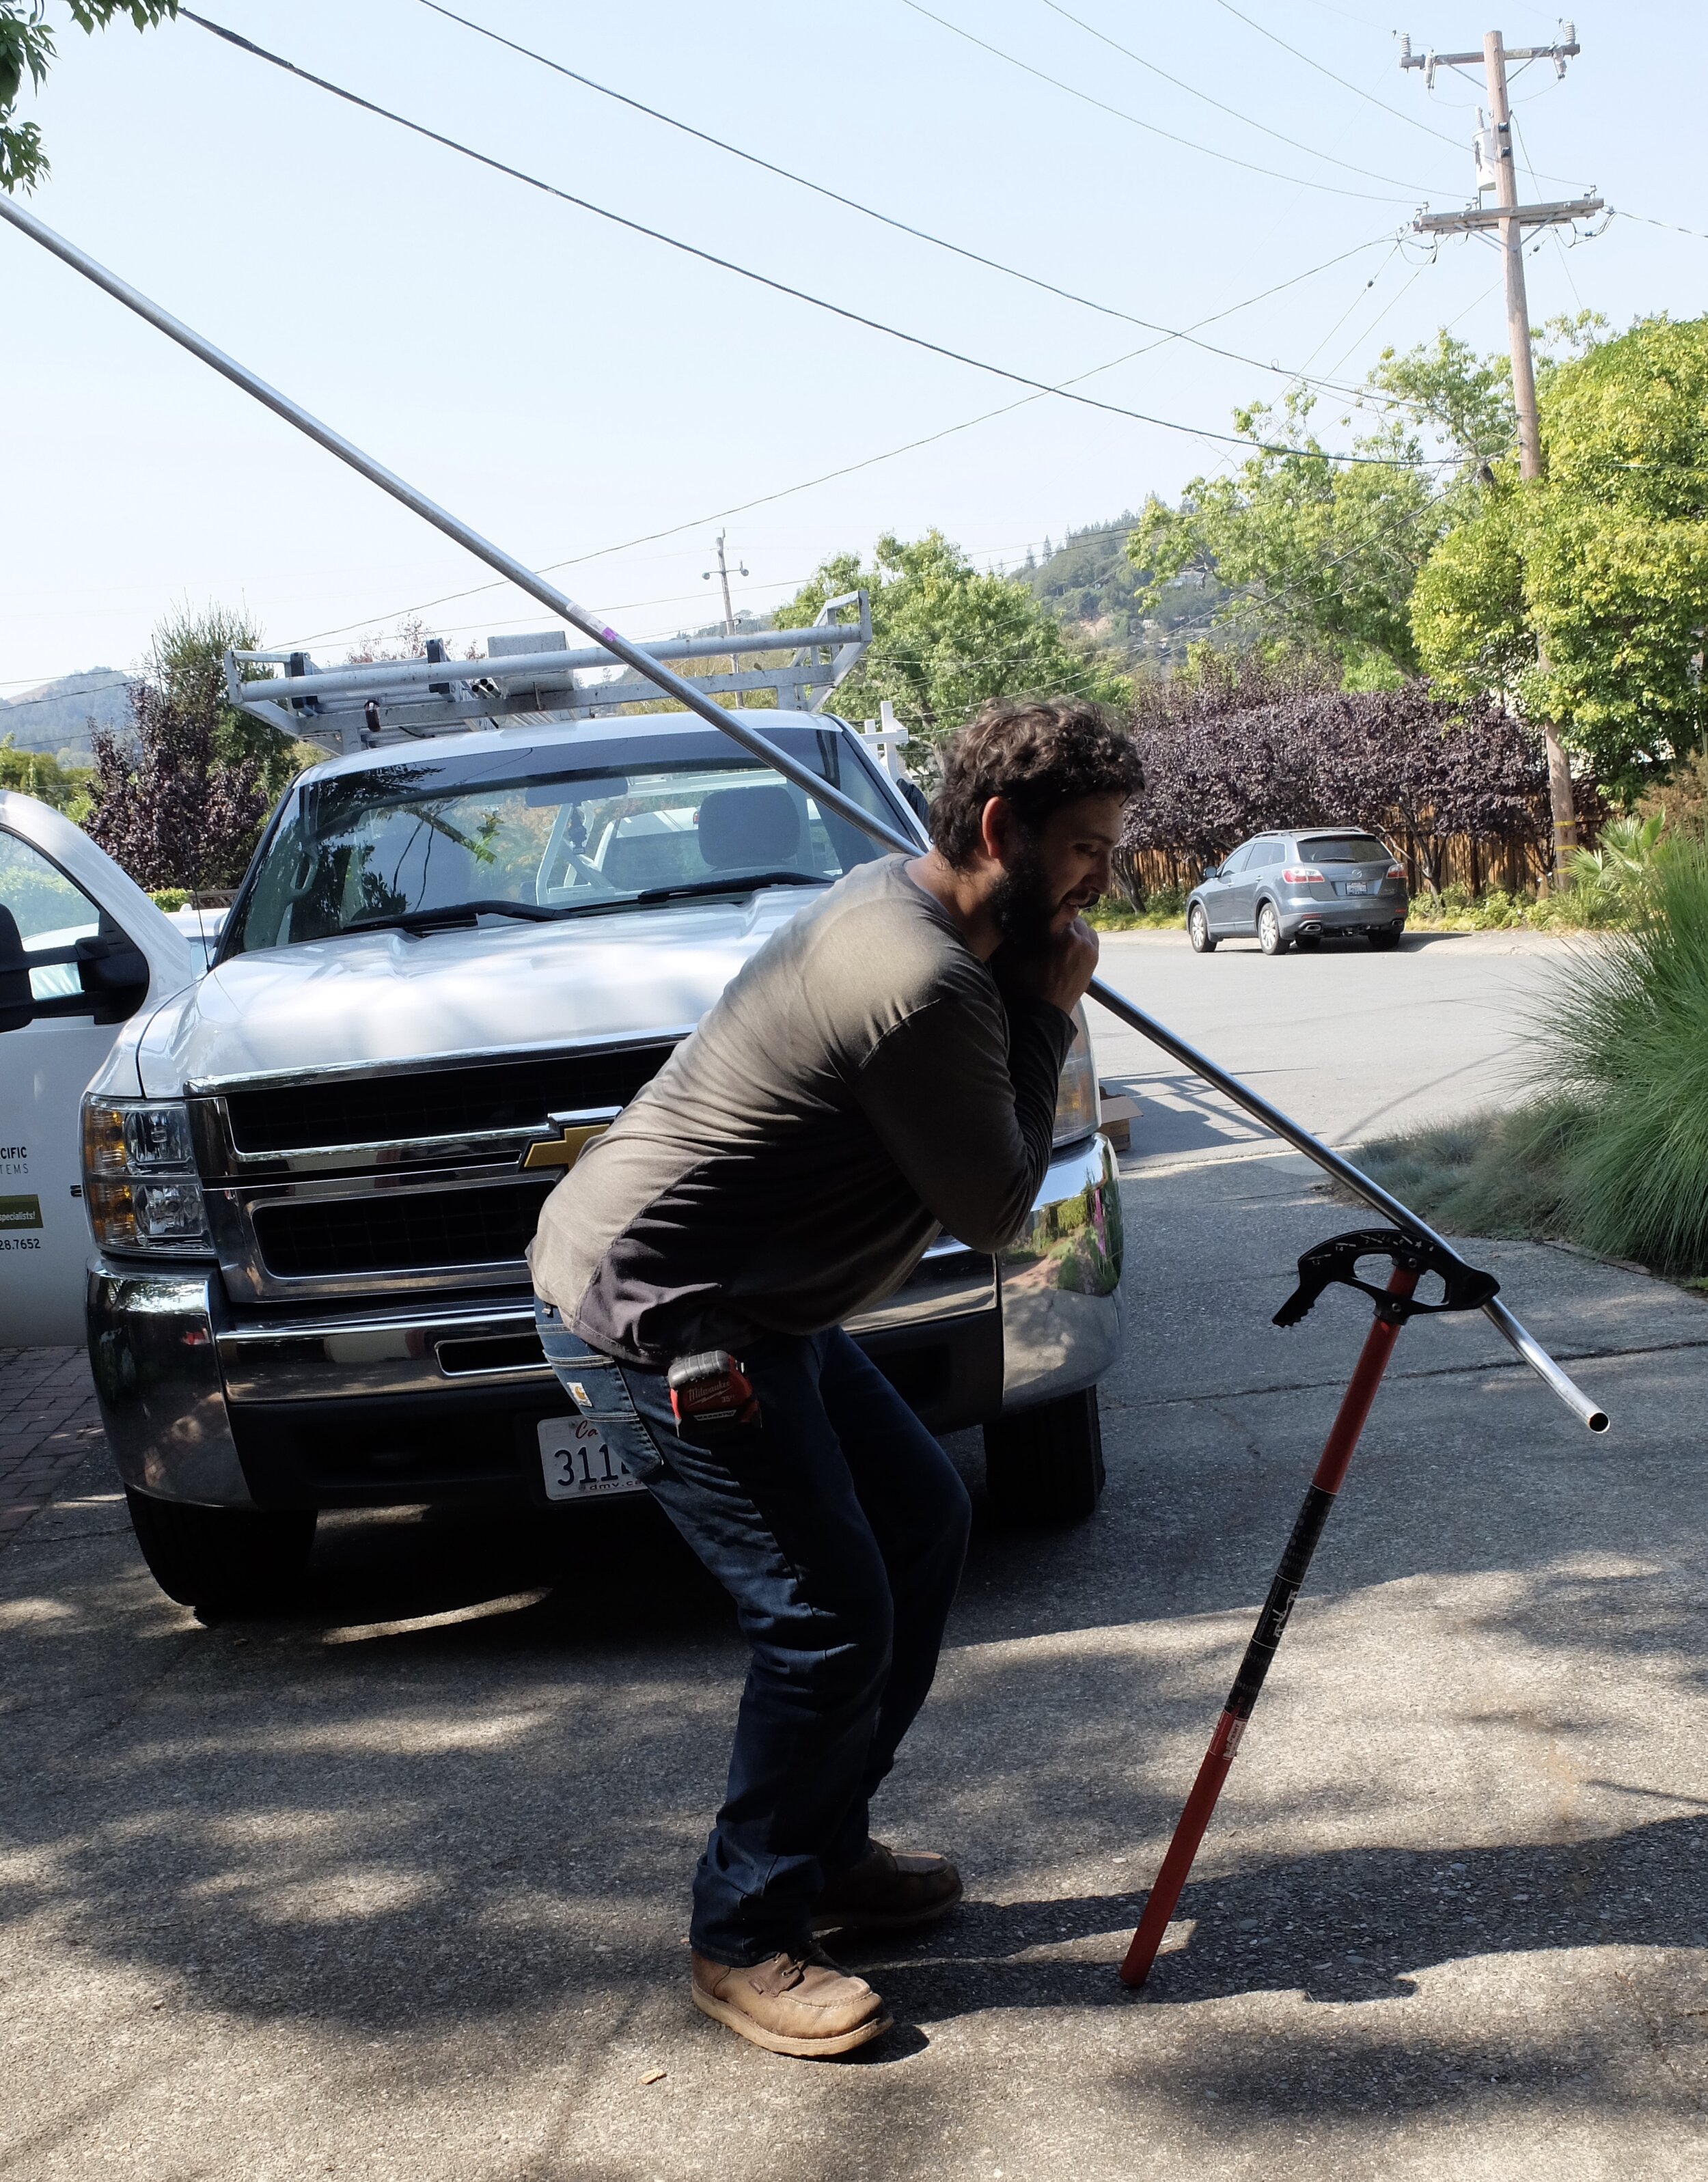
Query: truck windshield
561,829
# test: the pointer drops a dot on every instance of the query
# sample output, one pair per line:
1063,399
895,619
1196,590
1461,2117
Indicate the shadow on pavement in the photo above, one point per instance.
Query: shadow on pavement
1350,1925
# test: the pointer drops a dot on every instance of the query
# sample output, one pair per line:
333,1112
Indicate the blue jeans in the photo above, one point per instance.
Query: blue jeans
839,1526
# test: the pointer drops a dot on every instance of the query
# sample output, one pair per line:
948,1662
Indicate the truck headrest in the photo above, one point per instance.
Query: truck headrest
749,829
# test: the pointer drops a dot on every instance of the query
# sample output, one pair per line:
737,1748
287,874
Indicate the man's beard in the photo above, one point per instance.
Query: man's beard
1023,902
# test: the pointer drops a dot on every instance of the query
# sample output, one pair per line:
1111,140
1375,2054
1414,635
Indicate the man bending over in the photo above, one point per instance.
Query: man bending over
883,1068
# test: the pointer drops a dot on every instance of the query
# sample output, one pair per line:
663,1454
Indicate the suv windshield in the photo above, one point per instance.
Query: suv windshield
563,829
1342,849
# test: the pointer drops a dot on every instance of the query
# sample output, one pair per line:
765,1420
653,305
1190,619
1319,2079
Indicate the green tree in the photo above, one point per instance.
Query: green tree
1321,555
27,49
186,664
1582,596
1462,400
947,637
33,773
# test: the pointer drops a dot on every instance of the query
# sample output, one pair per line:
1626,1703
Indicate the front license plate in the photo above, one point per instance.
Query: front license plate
1356,886
579,1463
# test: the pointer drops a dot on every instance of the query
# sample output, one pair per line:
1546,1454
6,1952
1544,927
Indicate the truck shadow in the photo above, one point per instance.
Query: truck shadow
620,1570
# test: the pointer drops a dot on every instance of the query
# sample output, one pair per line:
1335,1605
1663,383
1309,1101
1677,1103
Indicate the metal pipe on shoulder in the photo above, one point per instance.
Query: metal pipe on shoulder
735,725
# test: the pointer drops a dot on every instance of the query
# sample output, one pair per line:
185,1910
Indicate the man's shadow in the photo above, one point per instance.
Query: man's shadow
1352,1924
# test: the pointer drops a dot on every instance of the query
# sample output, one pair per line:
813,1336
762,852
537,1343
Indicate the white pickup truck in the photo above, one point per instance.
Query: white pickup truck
310,1176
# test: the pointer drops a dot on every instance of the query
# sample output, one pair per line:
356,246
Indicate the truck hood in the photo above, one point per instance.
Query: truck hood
371,999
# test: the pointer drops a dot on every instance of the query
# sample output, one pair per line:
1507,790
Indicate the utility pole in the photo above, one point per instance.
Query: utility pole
722,572
1495,169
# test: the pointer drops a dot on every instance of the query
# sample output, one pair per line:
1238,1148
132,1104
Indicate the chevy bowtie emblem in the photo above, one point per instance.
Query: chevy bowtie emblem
571,1135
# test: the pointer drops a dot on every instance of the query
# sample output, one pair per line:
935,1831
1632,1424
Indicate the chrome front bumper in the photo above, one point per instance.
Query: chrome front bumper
181,1374
153,1350
1060,1280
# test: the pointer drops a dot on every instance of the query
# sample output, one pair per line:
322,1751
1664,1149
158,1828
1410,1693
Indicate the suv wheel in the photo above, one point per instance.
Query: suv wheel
1269,935
1385,939
223,1561
1044,1467
1198,930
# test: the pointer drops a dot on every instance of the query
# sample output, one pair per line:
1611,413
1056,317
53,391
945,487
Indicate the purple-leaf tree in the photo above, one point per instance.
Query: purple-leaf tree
1222,762
168,808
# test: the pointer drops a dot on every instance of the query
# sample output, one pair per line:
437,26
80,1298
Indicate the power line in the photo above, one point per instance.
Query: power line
1397,113
1354,304
1392,303
1272,174
1192,91
725,264
10,705
829,477
870,212
1671,226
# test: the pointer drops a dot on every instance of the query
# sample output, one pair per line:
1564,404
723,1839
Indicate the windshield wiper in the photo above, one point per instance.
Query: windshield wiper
737,883
462,915
449,915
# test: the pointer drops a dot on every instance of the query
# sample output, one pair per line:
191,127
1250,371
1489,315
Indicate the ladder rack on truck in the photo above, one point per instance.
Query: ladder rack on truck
526,679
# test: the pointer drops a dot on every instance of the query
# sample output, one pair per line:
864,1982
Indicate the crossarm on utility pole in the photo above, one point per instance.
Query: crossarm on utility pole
760,746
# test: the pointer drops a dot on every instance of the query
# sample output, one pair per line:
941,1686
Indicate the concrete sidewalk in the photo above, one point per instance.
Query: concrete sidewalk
395,1888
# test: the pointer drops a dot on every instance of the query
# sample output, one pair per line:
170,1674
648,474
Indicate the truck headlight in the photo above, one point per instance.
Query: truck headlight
138,1176
1076,1100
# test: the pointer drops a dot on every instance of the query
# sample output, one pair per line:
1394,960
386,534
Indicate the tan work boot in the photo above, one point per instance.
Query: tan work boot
800,2004
889,1891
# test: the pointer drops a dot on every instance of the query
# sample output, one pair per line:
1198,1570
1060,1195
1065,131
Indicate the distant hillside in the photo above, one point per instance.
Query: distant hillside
1091,584
55,719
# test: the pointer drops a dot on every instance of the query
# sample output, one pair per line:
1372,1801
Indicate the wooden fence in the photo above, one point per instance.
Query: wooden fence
1477,866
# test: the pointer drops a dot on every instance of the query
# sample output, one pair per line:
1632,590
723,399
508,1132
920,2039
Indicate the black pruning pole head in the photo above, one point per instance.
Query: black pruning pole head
1463,1287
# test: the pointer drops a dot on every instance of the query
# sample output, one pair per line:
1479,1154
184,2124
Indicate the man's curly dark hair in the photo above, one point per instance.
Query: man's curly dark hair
1037,754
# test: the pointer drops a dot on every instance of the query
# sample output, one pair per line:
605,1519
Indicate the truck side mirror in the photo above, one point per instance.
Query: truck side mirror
17,1003
114,975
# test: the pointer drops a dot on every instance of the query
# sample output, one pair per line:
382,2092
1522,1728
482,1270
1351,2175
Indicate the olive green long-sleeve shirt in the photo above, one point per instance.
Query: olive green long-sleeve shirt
861,1084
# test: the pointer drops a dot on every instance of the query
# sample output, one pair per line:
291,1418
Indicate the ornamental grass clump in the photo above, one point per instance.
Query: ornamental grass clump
1624,1036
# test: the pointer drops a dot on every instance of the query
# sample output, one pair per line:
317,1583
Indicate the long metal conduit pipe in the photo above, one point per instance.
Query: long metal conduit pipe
735,725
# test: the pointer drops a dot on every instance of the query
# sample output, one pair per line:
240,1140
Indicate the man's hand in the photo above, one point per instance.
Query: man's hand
1057,972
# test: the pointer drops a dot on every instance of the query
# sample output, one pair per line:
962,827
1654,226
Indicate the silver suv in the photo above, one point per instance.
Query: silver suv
1288,889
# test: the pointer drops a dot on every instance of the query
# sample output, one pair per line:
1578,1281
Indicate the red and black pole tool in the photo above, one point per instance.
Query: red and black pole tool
1335,1260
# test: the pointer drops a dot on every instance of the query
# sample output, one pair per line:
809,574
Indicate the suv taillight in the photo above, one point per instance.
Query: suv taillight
1302,875
1396,871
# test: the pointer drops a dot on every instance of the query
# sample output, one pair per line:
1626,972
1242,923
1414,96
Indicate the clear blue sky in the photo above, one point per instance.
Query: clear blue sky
568,386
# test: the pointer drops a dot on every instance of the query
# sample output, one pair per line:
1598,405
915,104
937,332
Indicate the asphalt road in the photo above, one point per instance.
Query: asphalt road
1350,1043
394,1887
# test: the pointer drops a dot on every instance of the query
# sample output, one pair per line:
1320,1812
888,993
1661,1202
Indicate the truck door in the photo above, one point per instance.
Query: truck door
82,949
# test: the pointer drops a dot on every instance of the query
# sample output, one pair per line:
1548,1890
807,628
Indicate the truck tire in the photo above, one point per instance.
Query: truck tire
1044,1467
223,1561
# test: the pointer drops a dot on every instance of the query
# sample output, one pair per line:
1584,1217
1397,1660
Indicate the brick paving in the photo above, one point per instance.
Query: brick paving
48,1421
